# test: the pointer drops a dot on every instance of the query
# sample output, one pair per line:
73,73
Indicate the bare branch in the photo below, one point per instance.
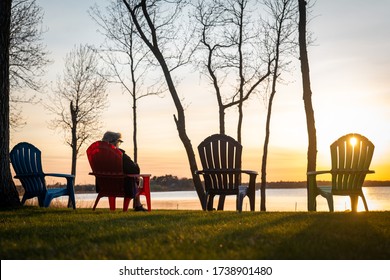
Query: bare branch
78,100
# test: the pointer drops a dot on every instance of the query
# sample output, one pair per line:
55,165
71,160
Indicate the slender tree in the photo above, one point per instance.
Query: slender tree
126,58
307,94
79,100
8,195
280,30
28,56
157,30
230,39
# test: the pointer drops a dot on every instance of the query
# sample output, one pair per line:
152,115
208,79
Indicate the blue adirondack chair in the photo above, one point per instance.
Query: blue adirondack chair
26,161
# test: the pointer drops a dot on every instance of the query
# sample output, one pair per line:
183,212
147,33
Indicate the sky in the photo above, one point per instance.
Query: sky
349,68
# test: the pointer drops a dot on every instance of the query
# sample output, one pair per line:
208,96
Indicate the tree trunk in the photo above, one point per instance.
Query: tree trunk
8,194
180,117
311,129
181,128
135,125
73,113
265,150
221,119
240,118
134,96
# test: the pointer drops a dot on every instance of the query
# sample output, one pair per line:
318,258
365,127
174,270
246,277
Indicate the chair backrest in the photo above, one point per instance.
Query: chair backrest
26,162
351,157
220,152
105,158
105,161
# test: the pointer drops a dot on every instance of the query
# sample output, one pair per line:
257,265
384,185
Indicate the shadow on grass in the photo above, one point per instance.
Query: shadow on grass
36,233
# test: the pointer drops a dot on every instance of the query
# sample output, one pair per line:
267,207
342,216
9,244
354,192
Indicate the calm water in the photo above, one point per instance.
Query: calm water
378,199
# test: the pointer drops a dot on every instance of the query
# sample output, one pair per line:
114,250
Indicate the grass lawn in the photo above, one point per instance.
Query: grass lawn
53,233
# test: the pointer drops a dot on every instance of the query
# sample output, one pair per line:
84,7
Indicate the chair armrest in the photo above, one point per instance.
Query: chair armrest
108,175
119,175
69,186
318,172
250,172
43,174
138,175
346,171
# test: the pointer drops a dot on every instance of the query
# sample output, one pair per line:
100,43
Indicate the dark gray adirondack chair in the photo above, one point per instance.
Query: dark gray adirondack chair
351,157
220,156
26,161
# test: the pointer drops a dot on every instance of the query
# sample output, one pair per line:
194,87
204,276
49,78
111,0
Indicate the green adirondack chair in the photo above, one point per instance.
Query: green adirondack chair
351,157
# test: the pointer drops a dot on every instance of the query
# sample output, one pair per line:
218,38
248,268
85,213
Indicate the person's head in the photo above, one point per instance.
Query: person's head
114,138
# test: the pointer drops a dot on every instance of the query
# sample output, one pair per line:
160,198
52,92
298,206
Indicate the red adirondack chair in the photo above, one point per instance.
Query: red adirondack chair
107,166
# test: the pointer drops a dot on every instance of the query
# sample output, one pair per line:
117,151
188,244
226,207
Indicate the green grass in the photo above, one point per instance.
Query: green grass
34,233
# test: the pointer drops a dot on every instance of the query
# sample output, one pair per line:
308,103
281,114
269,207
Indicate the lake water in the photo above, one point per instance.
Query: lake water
378,199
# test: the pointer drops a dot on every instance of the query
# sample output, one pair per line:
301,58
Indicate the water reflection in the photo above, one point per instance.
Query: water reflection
378,199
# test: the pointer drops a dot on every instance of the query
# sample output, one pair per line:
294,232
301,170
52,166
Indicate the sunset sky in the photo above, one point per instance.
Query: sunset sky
350,68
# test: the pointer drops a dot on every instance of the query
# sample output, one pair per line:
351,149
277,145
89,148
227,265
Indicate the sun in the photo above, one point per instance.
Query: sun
353,141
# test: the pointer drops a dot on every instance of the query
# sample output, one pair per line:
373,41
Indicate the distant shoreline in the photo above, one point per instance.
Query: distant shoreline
270,185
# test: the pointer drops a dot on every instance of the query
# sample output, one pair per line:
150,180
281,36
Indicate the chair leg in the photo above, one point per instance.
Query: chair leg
364,202
327,194
41,201
70,187
126,202
24,198
46,201
96,203
111,202
330,203
71,201
146,191
210,202
148,201
240,199
329,198
252,198
221,202
354,202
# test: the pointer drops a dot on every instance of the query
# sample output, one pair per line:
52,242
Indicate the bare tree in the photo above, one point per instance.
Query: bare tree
126,57
230,39
8,195
28,55
155,22
79,100
280,32
307,93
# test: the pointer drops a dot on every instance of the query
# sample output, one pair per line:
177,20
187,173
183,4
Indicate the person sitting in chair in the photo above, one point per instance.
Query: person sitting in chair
129,167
